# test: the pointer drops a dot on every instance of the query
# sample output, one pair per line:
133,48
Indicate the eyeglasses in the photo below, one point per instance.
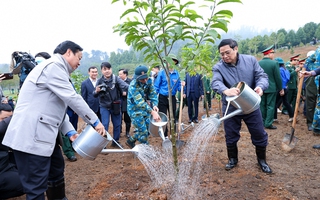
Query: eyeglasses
227,53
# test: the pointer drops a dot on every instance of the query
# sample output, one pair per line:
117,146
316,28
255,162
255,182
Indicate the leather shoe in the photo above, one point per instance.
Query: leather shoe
72,159
310,128
196,121
189,121
316,146
285,112
316,132
127,134
271,127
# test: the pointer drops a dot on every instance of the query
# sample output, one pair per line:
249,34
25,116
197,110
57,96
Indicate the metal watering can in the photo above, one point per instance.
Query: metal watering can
246,102
90,143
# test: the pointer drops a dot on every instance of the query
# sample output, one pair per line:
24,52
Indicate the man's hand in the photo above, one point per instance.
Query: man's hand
100,129
305,74
155,108
156,116
74,137
232,92
259,91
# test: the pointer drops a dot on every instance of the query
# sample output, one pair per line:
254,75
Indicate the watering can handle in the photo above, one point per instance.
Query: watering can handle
239,85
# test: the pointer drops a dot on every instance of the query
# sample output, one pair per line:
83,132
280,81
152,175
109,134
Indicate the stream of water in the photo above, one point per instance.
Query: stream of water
159,163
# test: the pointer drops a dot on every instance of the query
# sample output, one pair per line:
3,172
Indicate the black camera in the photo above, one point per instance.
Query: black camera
103,87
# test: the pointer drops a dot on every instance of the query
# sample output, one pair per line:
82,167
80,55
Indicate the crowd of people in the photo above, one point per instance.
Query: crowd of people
52,124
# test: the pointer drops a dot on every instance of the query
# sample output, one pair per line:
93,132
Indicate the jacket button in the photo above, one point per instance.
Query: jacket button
40,118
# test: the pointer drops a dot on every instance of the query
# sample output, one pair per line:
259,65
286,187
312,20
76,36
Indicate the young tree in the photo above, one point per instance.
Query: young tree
155,26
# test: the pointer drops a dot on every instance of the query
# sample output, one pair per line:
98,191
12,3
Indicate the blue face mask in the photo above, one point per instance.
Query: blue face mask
39,59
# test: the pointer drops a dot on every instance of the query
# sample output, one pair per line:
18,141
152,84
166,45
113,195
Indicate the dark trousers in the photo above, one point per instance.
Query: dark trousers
126,120
10,184
284,100
292,96
35,171
163,106
193,101
311,99
232,127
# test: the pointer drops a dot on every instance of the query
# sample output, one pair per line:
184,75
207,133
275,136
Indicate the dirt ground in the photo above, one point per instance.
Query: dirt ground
122,176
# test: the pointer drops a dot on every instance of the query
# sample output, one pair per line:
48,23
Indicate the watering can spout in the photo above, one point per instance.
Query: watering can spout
134,150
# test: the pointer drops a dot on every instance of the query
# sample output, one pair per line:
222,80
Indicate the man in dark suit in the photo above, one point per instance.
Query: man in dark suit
87,88
193,91
268,99
123,74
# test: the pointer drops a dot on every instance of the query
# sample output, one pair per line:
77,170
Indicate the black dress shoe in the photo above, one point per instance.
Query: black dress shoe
316,146
310,128
271,127
72,159
189,121
195,121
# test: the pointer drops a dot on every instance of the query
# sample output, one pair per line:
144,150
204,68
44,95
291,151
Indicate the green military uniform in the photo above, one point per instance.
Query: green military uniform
207,92
268,99
292,84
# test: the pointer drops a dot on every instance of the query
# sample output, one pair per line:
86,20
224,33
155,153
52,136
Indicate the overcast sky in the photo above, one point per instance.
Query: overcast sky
40,25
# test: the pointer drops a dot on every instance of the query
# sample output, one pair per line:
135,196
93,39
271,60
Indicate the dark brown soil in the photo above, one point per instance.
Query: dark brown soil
295,174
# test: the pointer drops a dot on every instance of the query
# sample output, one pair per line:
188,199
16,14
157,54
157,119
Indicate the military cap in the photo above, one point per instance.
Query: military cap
310,53
140,72
268,50
302,60
294,57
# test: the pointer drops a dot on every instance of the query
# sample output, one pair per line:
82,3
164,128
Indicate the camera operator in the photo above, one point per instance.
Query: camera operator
109,89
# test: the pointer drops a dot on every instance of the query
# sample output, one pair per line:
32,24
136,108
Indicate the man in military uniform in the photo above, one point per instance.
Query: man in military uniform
268,99
139,109
293,68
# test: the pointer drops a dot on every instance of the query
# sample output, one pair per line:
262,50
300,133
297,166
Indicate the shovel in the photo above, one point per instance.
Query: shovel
179,142
289,141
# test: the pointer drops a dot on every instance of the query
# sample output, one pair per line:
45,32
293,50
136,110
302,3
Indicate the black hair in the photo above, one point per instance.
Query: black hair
158,67
105,64
92,67
44,55
64,46
125,71
232,43
5,107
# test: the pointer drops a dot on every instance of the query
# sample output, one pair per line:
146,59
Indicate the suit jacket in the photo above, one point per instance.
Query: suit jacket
41,109
198,86
87,94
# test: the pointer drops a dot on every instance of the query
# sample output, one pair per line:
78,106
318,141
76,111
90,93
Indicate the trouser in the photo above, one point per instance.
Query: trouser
232,127
66,146
36,171
141,124
292,97
284,100
163,106
10,184
127,121
193,101
311,99
116,121
267,107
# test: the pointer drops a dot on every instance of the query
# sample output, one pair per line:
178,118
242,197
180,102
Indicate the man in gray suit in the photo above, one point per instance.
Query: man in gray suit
39,115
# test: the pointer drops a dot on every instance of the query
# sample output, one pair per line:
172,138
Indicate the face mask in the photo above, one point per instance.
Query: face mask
39,60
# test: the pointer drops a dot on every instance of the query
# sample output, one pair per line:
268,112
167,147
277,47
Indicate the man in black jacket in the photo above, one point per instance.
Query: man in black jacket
10,185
